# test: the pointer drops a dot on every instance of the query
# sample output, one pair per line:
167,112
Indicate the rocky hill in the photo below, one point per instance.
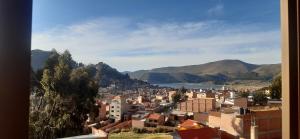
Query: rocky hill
102,72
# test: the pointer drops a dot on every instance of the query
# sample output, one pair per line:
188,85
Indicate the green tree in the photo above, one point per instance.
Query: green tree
177,97
182,90
275,88
244,94
260,98
68,98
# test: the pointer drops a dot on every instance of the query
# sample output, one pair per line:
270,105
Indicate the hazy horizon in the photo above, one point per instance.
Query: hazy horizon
140,35
170,65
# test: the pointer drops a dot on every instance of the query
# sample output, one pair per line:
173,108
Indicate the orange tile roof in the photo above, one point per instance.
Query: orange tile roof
154,116
200,133
189,124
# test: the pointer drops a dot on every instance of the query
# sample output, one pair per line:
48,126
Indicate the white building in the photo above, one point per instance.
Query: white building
118,107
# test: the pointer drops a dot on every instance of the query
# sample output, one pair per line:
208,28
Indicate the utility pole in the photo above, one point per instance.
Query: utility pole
254,129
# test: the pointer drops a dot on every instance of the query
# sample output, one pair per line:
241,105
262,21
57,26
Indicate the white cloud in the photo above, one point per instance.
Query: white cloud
129,45
216,10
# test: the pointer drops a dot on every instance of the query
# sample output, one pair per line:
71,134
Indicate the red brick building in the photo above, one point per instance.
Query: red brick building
267,120
197,105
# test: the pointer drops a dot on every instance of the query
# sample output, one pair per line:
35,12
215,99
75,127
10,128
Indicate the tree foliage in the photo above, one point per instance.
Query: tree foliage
275,88
244,94
260,98
67,99
177,97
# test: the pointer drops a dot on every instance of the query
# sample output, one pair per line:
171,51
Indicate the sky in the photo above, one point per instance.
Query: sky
133,35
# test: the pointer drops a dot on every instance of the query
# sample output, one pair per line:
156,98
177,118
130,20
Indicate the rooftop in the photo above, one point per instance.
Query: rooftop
154,116
189,124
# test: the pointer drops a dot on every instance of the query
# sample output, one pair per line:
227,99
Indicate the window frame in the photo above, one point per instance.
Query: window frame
289,14
17,14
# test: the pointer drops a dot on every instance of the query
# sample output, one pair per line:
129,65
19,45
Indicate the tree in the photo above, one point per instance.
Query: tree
260,98
68,97
275,88
182,90
244,94
177,97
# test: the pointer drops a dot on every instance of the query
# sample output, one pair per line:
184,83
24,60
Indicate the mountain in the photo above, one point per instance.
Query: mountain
102,72
38,58
218,72
107,76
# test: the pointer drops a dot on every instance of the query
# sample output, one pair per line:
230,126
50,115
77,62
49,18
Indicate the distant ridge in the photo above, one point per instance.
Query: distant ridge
217,72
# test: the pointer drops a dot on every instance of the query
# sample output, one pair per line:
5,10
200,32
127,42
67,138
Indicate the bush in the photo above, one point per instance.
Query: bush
124,130
158,130
143,130
139,130
260,98
116,131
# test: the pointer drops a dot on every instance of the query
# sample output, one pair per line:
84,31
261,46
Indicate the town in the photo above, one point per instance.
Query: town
186,113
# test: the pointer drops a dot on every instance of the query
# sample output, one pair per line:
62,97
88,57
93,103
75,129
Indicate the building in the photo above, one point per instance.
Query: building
268,122
189,124
160,97
138,123
103,109
206,95
118,108
201,117
140,99
214,119
138,119
155,119
197,105
198,133
241,102
170,95
191,95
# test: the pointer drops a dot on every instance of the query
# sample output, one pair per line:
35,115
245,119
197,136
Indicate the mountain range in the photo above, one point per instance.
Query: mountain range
218,72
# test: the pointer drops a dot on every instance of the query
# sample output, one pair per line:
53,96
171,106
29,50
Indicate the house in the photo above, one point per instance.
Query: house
138,119
177,116
154,120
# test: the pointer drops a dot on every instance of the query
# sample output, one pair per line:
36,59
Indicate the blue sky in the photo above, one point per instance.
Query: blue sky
143,34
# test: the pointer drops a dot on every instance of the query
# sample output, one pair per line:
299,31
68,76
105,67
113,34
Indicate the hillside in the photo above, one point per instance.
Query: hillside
107,75
218,72
102,72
